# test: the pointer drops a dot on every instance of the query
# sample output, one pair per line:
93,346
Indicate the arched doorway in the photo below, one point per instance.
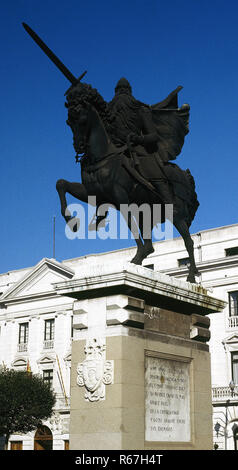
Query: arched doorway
235,435
43,439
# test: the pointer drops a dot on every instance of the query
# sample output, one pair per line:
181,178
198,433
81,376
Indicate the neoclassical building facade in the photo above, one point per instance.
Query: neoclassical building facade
36,327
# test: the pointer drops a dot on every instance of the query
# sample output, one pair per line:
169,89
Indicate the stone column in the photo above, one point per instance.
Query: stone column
140,373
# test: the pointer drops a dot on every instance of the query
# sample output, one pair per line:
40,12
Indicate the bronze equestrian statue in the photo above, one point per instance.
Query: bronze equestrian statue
125,149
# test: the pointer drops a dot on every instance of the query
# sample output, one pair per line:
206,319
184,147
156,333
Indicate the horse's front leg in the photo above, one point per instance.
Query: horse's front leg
61,187
77,190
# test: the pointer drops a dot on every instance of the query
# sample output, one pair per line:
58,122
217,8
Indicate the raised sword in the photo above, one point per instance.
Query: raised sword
65,71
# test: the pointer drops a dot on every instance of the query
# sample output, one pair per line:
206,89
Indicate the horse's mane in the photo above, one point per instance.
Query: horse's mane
83,93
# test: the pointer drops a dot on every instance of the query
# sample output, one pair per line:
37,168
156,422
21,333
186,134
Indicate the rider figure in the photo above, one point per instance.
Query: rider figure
133,124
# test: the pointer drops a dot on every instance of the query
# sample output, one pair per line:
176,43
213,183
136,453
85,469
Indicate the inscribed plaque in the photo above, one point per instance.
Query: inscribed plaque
167,400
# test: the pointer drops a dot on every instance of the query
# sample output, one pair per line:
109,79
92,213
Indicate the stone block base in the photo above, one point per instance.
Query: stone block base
140,371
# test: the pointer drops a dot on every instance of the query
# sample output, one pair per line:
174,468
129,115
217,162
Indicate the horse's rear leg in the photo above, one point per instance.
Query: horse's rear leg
146,234
182,228
139,256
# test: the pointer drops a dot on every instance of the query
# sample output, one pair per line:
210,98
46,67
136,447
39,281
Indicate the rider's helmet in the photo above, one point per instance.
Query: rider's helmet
123,86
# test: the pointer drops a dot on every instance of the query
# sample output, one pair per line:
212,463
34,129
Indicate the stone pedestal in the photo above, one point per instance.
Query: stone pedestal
140,370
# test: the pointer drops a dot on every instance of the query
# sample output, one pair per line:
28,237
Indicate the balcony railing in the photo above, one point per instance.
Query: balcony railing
48,344
22,347
233,321
222,394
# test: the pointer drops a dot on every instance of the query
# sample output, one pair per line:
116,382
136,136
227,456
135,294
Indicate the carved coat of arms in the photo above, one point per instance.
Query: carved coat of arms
95,372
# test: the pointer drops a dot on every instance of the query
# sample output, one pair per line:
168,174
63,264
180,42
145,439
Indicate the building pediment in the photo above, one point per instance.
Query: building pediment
231,339
38,282
230,343
46,359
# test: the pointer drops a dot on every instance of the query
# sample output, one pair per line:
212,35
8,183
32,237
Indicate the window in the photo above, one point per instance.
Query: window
232,251
48,376
23,337
49,329
233,303
234,366
23,333
49,334
183,261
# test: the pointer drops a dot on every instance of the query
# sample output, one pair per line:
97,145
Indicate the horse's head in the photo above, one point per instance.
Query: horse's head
87,117
79,99
78,122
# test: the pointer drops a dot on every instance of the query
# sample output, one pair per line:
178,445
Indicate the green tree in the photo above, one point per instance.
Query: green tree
25,400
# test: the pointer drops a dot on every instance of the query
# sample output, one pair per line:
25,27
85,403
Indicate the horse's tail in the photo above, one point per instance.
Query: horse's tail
183,185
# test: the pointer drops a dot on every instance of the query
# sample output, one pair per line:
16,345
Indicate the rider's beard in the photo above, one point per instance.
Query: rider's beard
124,109
123,100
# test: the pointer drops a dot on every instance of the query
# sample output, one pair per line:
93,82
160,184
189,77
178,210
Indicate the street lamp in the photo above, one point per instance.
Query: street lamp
217,428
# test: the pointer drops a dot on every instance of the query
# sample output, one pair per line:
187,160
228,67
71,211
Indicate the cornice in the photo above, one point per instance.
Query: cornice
143,283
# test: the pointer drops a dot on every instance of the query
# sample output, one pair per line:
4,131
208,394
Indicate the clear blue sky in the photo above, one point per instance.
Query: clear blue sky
157,45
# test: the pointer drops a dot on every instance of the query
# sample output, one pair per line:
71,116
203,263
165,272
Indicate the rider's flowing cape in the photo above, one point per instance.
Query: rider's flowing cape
172,125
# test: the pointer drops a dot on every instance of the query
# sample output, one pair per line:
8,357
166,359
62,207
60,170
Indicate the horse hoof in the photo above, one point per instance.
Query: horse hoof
136,260
149,251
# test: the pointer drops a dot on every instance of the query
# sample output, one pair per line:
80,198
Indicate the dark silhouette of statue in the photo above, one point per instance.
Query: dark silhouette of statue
125,148
140,127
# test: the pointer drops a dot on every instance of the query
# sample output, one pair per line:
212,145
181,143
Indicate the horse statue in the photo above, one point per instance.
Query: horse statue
126,148
110,174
